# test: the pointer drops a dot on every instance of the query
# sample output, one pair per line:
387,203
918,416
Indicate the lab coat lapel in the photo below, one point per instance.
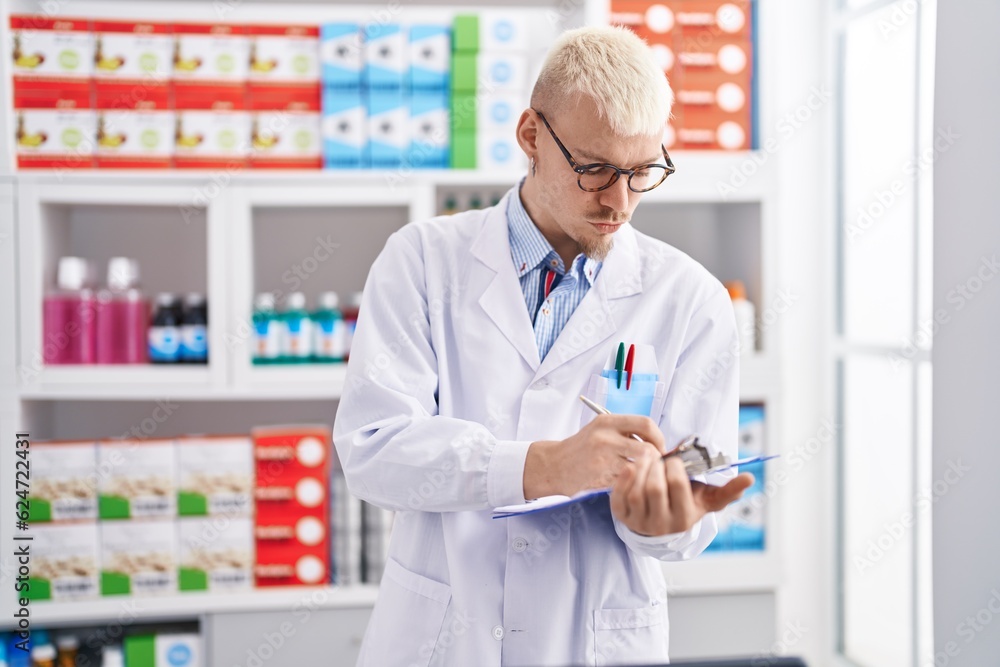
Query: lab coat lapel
502,299
593,322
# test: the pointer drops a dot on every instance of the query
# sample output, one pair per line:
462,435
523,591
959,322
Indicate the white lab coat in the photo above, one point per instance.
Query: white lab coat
444,394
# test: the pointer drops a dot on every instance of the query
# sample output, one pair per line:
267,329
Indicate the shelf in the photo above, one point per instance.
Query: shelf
193,605
758,377
111,383
117,382
722,573
702,177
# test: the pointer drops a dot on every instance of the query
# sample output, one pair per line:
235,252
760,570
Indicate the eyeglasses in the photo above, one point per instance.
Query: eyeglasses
599,176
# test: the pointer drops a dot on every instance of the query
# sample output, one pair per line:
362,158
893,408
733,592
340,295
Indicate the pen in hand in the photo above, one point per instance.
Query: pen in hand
601,410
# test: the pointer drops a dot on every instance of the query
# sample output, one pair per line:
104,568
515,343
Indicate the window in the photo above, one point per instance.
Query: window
884,55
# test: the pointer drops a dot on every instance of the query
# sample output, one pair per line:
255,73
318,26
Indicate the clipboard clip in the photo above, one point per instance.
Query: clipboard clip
696,457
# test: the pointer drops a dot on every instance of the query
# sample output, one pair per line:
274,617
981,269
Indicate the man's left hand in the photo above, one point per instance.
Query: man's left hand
653,496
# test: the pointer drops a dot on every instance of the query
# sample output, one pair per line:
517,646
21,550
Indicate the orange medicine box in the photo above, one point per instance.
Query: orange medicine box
132,64
52,62
292,520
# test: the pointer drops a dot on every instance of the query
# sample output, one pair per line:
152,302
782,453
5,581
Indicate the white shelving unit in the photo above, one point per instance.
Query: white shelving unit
237,219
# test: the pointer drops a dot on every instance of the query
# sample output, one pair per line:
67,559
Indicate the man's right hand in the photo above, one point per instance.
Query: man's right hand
589,459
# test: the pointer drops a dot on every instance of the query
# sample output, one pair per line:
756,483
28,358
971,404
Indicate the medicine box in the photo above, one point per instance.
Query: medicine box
344,128
138,557
486,150
742,525
207,139
284,67
341,55
291,524
215,553
489,72
493,30
429,56
137,479
131,139
388,128
487,112
64,481
55,138
283,53
285,140
211,64
133,63
429,130
53,61
64,561
215,476
386,56
292,551
163,650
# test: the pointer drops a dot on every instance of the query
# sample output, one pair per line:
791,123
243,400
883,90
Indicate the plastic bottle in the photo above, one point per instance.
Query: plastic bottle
351,321
67,646
746,317
112,656
122,316
165,331
194,330
329,329
297,330
68,316
450,205
43,655
266,330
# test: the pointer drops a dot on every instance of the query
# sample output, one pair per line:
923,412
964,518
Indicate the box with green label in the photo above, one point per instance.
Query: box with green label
137,478
63,481
216,553
138,557
63,561
55,138
215,476
163,650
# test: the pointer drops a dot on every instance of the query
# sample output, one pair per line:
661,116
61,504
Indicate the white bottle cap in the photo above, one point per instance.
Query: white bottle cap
328,300
111,656
72,274
264,301
194,299
166,299
67,643
356,299
43,652
295,301
123,273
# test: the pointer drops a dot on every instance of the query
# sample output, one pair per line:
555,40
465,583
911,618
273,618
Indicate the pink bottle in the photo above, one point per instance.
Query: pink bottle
68,316
122,316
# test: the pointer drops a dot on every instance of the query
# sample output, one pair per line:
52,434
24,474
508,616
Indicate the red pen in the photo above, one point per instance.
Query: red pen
628,367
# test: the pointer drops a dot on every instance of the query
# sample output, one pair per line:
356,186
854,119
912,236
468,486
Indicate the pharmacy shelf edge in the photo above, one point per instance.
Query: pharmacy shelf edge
191,606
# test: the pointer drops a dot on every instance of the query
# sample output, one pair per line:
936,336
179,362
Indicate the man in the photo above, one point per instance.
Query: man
478,332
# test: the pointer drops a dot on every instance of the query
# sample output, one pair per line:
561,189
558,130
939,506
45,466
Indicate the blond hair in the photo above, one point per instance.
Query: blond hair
615,68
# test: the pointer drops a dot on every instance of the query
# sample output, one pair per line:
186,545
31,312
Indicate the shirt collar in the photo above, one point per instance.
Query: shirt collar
529,248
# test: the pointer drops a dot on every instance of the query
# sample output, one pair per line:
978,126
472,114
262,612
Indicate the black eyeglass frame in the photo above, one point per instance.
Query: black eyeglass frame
582,169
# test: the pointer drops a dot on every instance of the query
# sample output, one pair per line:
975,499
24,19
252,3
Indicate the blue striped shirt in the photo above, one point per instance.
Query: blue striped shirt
535,261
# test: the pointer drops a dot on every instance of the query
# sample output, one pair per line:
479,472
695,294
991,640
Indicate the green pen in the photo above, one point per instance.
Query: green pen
620,362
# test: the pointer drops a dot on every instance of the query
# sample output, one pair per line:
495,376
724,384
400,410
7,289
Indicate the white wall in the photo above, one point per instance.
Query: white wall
966,355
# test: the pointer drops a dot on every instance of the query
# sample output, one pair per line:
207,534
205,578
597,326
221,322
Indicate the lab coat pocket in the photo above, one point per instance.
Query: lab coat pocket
410,609
646,396
631,636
